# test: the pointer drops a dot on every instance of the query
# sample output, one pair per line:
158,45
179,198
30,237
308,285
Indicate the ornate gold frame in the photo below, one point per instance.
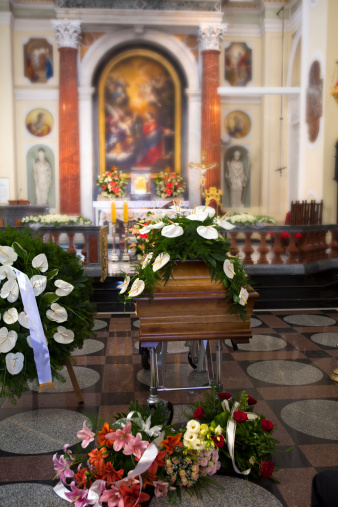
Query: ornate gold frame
177,87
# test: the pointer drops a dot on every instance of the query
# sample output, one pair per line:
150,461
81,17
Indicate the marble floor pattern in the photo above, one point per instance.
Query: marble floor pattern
286,367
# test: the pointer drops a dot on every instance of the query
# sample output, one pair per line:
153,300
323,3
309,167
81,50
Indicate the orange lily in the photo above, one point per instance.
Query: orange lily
96,457
81,478
171,442
111,475
148,478
101,437
158,462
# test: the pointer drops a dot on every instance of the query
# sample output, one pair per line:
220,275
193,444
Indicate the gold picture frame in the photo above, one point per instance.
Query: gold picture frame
151,56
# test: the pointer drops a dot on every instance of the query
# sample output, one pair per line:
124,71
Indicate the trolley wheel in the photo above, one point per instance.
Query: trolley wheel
169,410
145,360
193,361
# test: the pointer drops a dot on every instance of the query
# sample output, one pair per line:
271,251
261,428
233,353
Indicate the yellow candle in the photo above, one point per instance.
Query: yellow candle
113,213
125,212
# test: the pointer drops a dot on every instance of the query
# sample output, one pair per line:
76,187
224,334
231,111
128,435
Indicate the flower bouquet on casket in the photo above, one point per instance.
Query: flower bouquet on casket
244,439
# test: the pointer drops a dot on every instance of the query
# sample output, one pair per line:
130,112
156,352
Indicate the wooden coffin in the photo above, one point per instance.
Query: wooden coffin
192,307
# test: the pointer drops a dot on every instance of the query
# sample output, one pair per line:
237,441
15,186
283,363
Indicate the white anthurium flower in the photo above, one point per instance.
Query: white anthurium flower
10,290
39,283
152,432
206,209
29,341
63,335
222,222
172,231
10,316
147,259
208,232
144,230
124,286
7,255
40,262
7,272
64,288
14,363
243,296
23,320
136,288
7,340
57,313
228,268
158,225
161,260
198,217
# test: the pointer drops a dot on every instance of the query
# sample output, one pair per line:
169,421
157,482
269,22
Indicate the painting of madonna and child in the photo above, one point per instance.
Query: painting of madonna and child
139,101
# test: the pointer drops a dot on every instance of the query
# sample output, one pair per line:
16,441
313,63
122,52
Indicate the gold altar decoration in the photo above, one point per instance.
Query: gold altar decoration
334,374
215,194
204,167
104,252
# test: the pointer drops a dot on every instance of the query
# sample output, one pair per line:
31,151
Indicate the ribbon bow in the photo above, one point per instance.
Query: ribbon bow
231,432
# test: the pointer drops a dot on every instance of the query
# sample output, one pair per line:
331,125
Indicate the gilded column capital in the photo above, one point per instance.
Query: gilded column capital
210,35
67,32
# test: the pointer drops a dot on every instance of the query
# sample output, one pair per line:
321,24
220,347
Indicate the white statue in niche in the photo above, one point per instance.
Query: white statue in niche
42,173
236,180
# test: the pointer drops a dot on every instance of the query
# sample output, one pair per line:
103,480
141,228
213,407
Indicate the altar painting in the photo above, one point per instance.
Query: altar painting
140,113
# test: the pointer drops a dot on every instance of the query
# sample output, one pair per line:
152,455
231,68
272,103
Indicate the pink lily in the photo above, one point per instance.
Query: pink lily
121,437
62,468
85,435
136,446
77,496
113,497
161,488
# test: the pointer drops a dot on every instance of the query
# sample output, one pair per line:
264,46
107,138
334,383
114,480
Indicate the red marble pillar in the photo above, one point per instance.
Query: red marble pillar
67,34
210,36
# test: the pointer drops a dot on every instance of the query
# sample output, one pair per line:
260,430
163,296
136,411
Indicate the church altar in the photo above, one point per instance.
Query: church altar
136,209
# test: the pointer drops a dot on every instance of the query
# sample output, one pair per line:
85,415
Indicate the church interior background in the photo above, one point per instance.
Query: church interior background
143,85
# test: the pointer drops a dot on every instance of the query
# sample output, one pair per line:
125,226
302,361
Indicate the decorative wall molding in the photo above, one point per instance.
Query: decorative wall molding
33,25
295,21
242,30
36,94
6,19
274,26
239,101
210,36
67,32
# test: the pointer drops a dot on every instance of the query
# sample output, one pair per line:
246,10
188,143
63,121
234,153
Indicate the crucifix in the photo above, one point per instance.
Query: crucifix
204,167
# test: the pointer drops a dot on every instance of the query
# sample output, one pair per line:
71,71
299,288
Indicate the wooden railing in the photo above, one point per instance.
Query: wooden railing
284,244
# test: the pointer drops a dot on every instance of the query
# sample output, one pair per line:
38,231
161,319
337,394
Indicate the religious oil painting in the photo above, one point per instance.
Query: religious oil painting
238,64
237,172
39,122
237,124
140,113
38,60
40,163
314,101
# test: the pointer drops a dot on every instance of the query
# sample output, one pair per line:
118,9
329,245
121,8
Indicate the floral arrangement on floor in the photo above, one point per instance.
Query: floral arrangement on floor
139,450
172,236
56,219
62,293
248,436
243,219
112,183
169,184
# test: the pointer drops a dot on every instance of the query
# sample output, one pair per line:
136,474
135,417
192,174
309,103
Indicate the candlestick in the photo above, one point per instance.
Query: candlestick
113,213
125,213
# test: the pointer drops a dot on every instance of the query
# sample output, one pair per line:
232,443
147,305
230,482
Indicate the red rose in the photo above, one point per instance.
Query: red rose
178,185
104,187
299,235
168,191
218,441
267,468
169,185
285,235
144,236
199,413
266,425
116,190
224,396
240,416
251,401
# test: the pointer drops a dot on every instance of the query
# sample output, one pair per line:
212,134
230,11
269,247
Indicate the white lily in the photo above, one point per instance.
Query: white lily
10,316
57,313
161,260
7,272
7,340
243,296
64,335
172,231
7,255
207,232
152,432
222,222
206,209
40,262
39,283
228,268
23,320
14,363
147,259
124,286
64,288
10,290
198,217
136,288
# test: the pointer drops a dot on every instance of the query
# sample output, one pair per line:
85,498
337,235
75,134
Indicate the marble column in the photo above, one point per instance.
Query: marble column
210,38
67,34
